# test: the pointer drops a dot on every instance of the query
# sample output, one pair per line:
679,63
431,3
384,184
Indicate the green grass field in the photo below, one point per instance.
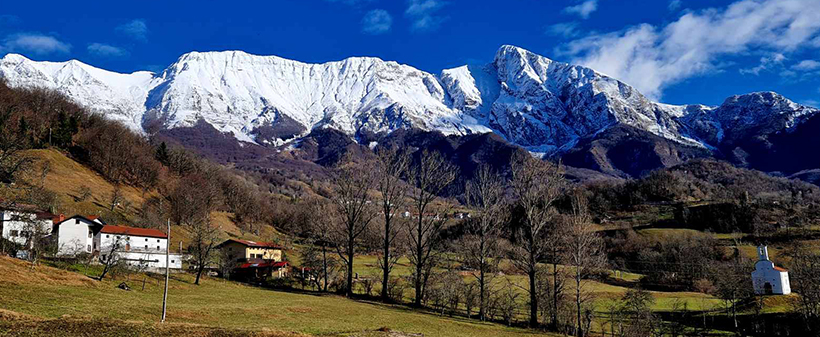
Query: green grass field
50,293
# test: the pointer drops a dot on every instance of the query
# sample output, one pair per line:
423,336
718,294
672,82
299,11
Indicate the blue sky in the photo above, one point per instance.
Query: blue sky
675,51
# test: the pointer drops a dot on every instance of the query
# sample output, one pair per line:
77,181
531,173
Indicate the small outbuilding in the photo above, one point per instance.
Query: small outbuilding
767,279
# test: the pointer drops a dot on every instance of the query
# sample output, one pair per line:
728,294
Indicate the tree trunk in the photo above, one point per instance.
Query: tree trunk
533,298
105,271
579,330
350,270
324,266
531,273
555,291
386,266
481,310
419,256
199,271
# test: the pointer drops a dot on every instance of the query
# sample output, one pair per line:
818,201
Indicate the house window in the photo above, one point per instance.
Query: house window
157,247
146,247
13,233
172,261
146,239
157,240
89,248
107,236
76,221
90,234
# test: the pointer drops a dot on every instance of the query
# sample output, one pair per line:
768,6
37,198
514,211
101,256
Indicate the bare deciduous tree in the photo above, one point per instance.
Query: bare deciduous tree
536,186
12,159
805,267
389,169
110,255
732,279
204,237
352,200
190,203
429,177
584,252
116,197
485,194
320,226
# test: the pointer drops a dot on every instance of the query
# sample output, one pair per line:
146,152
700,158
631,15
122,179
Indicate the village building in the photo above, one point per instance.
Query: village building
767,279
76,235
19,223
141,248
254,261
242,251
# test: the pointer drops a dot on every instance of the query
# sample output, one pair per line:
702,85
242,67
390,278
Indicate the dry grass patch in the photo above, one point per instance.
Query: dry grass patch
18,272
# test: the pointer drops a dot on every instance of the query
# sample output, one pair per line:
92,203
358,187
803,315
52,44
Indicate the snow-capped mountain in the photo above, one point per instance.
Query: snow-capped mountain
540,104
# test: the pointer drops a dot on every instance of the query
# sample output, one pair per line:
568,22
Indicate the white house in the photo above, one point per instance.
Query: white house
20,222
76,235
768,279
138,247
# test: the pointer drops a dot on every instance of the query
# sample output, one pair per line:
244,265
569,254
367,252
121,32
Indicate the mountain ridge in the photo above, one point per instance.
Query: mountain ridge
545,106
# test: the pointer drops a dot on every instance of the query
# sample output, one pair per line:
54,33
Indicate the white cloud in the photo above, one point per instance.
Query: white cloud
34,43
583,9
377,21
136,29
105,50
807,65
675,5
423,15
766,63
565,29
652,58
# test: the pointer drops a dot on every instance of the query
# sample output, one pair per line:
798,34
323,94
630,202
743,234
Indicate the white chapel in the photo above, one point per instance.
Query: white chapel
768,279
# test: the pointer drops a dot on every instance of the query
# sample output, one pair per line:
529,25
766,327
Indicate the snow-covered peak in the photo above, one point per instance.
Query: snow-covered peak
240,93
14,58
530,100
120,96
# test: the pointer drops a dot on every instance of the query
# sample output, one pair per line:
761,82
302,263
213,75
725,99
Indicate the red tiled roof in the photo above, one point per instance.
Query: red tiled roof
779,269
255,244
124,230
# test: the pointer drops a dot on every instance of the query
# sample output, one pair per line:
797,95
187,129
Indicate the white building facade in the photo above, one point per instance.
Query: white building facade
140,248
76,236
19,226
767,279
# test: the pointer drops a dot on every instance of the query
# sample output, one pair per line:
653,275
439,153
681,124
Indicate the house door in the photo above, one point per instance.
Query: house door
127,247
767,288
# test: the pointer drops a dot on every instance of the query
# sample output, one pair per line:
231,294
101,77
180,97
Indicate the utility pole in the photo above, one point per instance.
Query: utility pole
167,272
